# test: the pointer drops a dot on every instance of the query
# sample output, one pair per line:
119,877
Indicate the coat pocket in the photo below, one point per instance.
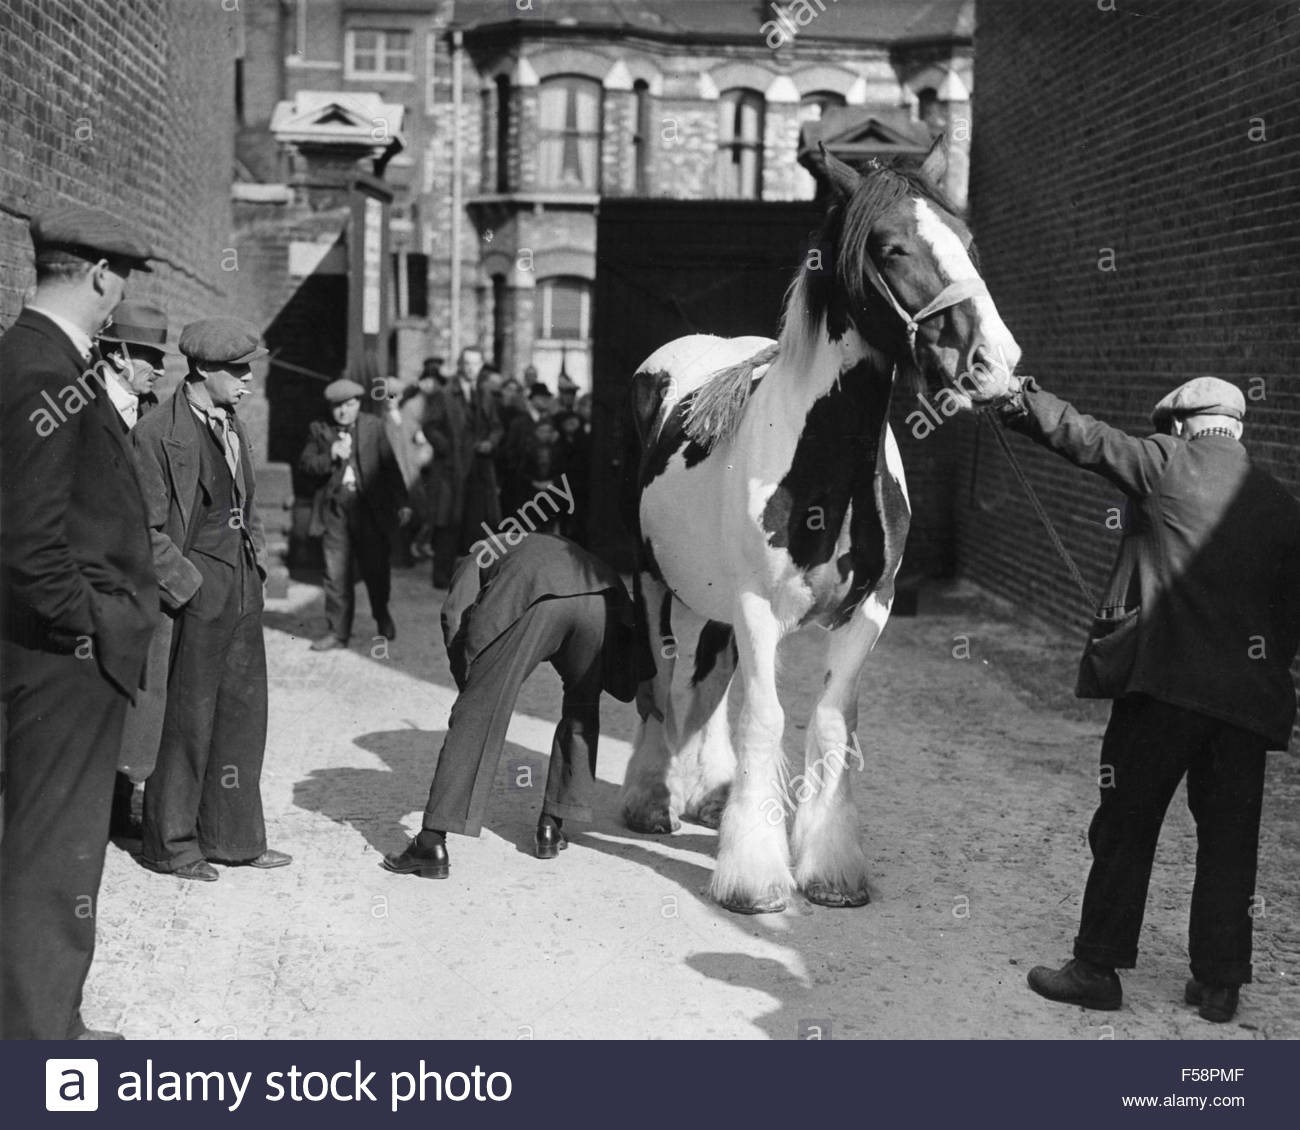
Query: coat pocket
1109,656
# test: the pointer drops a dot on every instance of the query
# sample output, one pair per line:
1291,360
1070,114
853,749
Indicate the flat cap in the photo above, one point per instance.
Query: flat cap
1199,396
90,234
336,392
137,323
537,388
221,341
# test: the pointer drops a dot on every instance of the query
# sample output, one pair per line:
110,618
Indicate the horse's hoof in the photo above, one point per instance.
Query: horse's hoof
710,809
654,823
768,904
823,894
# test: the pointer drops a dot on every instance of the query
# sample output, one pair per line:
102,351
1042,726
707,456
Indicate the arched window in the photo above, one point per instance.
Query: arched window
503,133
641,137
816,103
569,112
740,144
562,309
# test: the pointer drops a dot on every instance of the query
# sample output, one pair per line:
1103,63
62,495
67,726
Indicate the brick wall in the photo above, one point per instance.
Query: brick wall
1133,185
126,105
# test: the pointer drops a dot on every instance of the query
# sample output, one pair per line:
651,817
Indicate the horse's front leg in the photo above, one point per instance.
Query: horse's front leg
646,801
752,875
830,865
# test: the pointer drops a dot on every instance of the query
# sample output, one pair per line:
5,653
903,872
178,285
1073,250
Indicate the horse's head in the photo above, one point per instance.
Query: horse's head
903,274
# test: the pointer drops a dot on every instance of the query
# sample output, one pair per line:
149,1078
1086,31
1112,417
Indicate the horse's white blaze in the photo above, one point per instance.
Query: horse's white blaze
954,265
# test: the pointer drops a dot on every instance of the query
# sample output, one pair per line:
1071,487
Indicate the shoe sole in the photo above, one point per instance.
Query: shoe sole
551,851
1107,1005
423,870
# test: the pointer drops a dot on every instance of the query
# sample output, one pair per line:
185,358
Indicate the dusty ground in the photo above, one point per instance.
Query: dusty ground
979,783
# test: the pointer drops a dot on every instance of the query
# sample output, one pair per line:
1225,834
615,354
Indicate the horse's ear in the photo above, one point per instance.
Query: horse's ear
935,166
829,170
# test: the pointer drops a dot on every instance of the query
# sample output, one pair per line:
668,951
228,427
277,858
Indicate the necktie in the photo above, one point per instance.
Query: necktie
229,438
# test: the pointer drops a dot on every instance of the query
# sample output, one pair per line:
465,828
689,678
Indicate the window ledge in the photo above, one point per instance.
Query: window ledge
556,196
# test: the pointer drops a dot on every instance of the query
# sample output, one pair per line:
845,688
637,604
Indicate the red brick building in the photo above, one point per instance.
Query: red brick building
1133,190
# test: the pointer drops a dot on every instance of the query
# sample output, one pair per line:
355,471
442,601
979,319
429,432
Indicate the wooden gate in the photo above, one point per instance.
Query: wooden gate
665,268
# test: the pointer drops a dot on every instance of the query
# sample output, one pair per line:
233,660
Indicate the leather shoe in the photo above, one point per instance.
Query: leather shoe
99,1034
1215,1003
270,858
328,643
427,862
200,870
386,627
1078,982
550,839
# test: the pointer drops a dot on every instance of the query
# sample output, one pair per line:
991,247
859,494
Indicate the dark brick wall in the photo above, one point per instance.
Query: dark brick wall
1167,131
126,105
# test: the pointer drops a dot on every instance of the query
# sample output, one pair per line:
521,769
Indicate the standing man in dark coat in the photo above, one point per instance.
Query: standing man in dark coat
509,610
78,603
1194,641
360,501
203,802
464,428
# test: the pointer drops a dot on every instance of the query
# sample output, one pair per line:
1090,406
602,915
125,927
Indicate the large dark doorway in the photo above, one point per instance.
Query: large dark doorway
665,268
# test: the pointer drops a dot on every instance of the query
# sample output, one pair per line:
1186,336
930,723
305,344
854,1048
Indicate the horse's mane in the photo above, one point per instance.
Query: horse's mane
716,407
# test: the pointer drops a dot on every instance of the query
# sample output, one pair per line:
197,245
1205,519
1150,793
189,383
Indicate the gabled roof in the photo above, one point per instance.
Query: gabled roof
873,21
335,117
855,134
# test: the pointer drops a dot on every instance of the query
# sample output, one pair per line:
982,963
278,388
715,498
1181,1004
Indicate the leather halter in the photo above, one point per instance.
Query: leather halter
949,296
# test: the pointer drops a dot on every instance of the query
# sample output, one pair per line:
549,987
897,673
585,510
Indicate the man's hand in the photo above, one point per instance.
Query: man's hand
484,447
341,449
404,516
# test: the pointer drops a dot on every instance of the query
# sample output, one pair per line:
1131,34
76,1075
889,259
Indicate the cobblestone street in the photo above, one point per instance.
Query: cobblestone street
975,801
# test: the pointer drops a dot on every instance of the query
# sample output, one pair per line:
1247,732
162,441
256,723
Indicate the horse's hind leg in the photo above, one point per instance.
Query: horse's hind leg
645,801
705,763
830,866
752,875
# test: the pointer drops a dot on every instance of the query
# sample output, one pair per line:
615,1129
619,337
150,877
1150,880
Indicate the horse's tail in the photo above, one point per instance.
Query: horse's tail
715,408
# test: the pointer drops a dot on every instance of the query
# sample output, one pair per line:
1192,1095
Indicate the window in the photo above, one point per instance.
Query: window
373,53
295,28
641,138
569,156
410,289
563,309
818,102
503,133
740,145
928,109
499,325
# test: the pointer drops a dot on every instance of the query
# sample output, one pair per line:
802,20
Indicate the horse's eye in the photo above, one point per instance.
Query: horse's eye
895,251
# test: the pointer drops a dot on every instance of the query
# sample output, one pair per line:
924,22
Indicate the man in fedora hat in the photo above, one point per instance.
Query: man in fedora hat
78,604
360,499
1194,641
203,802
133,346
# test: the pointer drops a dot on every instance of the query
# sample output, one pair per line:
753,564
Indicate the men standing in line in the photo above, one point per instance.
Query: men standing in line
1194,641
361,499
78,604
203,802
133,345
464,429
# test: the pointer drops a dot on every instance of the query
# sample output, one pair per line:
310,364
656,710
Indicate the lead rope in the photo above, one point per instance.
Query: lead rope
1040,510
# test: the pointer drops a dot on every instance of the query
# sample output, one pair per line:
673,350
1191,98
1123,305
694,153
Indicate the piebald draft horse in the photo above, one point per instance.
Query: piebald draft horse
772,497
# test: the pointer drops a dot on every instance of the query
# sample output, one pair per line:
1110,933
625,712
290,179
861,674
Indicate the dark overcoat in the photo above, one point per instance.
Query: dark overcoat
382,485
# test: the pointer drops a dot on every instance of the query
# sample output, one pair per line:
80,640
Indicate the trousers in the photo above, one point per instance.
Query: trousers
570,633
63,732
356,547
1148,747
204,798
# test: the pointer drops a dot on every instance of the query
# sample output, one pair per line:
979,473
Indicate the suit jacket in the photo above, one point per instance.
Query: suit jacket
491,590
167,453
1210,555
453,428
381,486
74,545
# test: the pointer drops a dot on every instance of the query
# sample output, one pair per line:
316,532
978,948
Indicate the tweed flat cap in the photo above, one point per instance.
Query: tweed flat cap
336,392
137,323
221,341
1199,396
90,234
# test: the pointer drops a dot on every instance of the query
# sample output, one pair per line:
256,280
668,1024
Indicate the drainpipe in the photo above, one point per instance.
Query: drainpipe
457,201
